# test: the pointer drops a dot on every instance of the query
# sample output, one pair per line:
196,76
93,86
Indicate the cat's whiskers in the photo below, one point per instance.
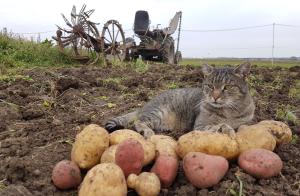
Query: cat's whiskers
199,104
232,106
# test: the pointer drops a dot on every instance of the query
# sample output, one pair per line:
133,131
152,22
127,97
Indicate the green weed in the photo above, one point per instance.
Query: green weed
295,139
12,77
104,98
140,66
286,113
111,105
172,85
112,80
2,185
294,91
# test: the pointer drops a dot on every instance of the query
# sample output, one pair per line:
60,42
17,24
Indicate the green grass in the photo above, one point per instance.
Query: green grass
16,53
20,53
294,91
172,85
139,66
287,113
221,62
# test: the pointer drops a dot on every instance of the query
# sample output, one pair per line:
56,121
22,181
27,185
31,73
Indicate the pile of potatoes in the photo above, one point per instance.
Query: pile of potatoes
115,162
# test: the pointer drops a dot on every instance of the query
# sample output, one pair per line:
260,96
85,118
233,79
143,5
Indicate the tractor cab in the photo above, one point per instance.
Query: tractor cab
156,44
142,25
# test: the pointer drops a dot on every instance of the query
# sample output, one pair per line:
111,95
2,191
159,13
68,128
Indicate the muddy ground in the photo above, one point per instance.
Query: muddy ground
41,113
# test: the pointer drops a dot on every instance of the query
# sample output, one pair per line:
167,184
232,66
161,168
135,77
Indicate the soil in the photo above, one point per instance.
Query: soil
41,114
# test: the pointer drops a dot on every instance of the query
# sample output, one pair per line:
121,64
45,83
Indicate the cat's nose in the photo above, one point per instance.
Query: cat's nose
216,94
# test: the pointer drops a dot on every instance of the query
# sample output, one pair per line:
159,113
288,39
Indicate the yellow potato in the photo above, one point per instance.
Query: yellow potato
279,130
118,136
254,136
149,150
145,184
104,179
108,155
164,145
209,143
89,145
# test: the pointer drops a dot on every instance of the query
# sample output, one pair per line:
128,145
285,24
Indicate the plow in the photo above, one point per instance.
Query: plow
82,40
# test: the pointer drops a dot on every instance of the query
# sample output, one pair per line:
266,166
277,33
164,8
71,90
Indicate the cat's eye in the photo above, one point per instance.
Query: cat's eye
229,87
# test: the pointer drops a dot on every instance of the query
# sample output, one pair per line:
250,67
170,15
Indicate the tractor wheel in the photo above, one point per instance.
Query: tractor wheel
178,57
168,55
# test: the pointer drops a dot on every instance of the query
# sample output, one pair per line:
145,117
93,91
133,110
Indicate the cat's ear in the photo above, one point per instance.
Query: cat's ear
243,70
207,69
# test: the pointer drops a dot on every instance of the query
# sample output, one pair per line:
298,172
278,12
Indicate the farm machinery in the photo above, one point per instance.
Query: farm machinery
156,44
83,41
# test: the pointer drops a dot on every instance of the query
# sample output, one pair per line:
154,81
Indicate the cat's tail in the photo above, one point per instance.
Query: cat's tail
121,122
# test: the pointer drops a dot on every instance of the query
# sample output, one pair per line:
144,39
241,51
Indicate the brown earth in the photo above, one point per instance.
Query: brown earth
41,114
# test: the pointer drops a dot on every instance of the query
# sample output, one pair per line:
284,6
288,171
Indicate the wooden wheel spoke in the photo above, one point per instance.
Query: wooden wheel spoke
117,34
113,31
109,34
107,39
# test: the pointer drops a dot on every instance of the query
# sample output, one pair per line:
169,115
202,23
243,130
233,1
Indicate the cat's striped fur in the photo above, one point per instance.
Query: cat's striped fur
223,102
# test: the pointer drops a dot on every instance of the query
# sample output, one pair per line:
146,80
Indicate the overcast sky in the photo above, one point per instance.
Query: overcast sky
39,16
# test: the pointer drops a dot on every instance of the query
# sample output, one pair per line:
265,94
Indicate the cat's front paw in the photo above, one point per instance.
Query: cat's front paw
146,133
111,126
226,129
143,129
221,128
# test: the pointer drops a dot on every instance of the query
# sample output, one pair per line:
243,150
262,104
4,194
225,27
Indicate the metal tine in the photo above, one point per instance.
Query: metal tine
67,31
66,21
73,15
89,13
82,9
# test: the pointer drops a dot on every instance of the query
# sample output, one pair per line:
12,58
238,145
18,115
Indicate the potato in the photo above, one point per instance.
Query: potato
165,167
89,145
279,130
108,155
149,150
260,163
118,136
104,179
254,136
164,145
66,175
146,184
130,156
209,143
204,170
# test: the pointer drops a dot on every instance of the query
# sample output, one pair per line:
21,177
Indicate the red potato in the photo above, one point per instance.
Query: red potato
130,156
66,175
204,170
260,163
165,167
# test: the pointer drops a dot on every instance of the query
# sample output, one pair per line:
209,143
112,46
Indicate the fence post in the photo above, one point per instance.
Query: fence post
5,31
38,39
273,44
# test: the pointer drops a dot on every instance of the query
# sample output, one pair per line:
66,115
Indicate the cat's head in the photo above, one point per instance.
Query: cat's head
225,86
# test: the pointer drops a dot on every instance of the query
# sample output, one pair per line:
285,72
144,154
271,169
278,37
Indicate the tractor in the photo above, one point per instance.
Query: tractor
156,44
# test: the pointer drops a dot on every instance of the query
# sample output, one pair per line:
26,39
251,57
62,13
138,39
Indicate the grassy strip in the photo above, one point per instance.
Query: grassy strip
261,63
22,53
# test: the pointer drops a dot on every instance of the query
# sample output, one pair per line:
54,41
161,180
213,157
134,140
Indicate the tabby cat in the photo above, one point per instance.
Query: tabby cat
223,103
